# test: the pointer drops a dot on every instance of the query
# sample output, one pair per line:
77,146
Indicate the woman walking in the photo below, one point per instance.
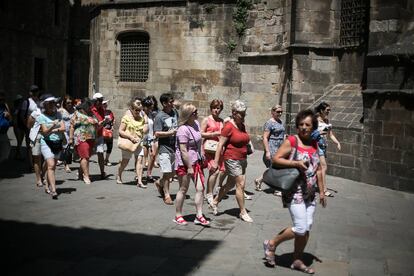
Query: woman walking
67,110
273,136
52,128
211,128
107,131
188,164
325,130
132,127
82,134
233,140
301,200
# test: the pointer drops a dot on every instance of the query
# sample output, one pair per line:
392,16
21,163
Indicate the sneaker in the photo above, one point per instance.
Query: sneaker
201,220
180,220
245,217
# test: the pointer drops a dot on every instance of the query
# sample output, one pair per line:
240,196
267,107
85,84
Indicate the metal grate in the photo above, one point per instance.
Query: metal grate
134,59
353,23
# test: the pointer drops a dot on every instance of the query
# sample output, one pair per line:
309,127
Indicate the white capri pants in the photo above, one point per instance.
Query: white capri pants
302,216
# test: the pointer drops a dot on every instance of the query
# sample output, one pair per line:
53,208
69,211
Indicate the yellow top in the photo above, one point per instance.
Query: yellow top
135,127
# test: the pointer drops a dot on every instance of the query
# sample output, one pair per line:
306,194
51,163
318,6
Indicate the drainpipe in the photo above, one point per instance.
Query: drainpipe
289,68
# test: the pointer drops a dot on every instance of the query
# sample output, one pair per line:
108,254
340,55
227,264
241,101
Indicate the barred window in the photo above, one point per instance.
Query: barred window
353,22
134,63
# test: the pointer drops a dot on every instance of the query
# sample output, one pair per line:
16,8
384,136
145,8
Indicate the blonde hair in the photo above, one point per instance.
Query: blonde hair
238,106
186,111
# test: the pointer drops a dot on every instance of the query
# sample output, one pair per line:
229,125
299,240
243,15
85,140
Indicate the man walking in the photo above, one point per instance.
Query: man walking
165,128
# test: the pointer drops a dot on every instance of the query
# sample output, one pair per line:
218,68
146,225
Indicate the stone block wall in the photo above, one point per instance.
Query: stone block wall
388,141
188,53
26,35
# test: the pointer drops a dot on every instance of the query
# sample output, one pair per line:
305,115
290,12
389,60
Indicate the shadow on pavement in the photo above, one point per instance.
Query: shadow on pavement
34,249
285,260
12,167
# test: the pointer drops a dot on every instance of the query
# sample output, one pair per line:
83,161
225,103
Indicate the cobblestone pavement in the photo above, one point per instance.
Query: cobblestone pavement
110,229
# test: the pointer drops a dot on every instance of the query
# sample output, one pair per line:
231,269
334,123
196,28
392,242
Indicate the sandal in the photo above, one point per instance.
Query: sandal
214,207
54,195
180,220
168,200
118,180
300,266
258,185
39,184
328,194
201,220
141,185
86,180
48,191
269,253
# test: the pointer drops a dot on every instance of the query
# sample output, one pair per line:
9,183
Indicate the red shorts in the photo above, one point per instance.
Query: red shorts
198,172
84,149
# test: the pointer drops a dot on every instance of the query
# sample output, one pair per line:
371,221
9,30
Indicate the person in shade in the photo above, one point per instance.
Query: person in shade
188,164
67,110
107,131
301,200
165,128
233,141
82,135
52,128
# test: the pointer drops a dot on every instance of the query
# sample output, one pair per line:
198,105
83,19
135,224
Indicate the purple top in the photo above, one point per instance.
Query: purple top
186,135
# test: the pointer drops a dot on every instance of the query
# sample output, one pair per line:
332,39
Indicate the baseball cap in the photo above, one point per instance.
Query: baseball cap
97,96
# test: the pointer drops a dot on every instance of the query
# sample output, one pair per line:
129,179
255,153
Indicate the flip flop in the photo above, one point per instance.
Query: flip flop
303,268
329,194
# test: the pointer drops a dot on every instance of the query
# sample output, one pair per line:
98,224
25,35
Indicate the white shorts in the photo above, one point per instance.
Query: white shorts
167,162
36,148
100,145
47,152
127,154
302,216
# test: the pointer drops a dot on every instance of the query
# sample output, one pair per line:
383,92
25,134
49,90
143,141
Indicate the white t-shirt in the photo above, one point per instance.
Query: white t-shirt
34,131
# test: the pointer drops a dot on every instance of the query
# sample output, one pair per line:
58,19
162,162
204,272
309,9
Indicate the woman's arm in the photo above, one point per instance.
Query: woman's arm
321,186
266,135
281,158
56,126
185,158
124,134
331,134
30,122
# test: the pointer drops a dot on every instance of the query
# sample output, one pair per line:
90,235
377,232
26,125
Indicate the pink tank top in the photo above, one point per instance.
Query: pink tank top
212,126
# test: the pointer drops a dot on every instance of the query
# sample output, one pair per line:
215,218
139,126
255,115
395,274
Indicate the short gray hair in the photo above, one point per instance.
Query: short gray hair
238,106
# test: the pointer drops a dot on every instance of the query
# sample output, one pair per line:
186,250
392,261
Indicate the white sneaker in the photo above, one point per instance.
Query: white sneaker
245,217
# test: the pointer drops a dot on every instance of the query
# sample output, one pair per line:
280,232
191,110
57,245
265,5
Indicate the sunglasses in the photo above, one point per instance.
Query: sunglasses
195,112
328,110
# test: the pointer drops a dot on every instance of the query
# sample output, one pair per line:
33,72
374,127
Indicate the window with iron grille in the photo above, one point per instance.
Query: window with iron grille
134,63
353,22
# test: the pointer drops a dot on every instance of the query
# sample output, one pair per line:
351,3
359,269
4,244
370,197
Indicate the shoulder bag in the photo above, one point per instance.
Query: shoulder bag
210,146
128,145
282,179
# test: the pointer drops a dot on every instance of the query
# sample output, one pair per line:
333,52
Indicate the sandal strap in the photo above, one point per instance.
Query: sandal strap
180,219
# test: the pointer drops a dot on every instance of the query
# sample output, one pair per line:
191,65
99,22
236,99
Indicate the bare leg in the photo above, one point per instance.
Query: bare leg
231,181
101,163
37,165
240,181
51,167
211,181
184,182
199,197
165,183
84,169
121,168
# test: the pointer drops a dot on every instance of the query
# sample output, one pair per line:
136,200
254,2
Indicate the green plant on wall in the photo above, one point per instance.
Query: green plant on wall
240,16
231,45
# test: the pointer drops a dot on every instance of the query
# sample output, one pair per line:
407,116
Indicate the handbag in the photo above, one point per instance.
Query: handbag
282,179
210,146
55,146
66,155
250,148
128,145
107,133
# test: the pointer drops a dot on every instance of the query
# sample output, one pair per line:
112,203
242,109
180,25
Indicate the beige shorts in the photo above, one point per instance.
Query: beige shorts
235,167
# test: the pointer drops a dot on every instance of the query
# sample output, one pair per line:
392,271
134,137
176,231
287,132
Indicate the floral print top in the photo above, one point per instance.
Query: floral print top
306,184
85,127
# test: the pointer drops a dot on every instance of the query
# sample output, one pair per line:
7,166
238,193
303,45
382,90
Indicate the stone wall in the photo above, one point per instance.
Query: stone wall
188,53
26,35
388,144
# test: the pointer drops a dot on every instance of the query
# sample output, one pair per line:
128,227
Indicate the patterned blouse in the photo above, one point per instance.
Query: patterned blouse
306,184
85,127
276,136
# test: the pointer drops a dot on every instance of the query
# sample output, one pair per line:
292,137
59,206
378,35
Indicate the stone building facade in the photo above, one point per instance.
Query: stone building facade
33,46
291,52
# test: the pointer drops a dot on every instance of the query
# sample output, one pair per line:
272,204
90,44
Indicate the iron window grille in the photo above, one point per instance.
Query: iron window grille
353,23
134,64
